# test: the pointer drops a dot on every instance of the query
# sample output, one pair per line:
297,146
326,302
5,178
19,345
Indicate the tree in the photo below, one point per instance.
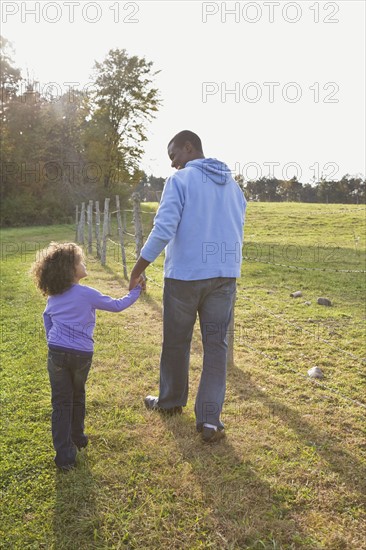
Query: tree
10,77
290,190
264,189
150,188
123,101
57,152
352,189
308,193
9,83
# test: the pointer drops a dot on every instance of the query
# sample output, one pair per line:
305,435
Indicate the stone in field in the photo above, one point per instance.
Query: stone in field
296,294
315,372
307,303
324,302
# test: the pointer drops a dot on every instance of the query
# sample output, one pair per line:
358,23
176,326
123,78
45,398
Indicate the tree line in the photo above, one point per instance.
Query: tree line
348,190
60,149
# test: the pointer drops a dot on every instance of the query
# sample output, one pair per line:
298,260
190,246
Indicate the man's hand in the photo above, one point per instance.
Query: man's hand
142,282
134,281
136,272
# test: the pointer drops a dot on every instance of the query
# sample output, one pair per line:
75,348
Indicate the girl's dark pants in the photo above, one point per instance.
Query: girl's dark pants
68,373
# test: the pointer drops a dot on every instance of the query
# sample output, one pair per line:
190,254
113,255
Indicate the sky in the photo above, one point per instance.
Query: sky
271,87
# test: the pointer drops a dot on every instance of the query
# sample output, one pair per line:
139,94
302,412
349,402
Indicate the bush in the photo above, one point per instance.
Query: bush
26,209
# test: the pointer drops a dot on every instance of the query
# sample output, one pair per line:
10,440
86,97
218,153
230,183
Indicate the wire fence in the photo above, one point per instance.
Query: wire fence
303,268
89,217
302,329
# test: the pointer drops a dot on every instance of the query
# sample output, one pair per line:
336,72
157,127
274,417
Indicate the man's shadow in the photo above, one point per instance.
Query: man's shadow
75,519
244,509
239,504
350,470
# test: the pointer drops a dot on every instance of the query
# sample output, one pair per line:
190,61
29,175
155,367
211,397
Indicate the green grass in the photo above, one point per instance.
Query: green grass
291,472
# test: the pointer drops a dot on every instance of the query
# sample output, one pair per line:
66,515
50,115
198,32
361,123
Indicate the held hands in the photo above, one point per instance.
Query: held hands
136,274
142,282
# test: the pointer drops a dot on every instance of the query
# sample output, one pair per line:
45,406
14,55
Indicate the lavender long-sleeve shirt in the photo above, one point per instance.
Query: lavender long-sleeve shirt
69,318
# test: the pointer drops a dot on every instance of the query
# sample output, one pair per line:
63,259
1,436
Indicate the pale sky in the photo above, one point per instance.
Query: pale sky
295,70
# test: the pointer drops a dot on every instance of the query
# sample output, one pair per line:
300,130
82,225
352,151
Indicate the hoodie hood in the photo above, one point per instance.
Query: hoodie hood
212,169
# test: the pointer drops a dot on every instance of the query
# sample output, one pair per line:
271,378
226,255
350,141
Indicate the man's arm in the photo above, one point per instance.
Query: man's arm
166,222
138,268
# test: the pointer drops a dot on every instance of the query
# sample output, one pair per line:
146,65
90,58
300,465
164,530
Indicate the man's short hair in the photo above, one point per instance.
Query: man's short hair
186,135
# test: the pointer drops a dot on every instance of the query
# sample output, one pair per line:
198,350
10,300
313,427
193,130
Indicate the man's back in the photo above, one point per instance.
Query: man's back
208,241
201,216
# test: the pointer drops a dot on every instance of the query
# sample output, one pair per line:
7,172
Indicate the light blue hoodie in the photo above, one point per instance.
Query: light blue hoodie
200,221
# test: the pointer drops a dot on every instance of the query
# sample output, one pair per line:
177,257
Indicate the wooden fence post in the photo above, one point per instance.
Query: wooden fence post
81,224
110,223
230,337
139,238
97,228
105,232
124,223
90,227
77,223
121,240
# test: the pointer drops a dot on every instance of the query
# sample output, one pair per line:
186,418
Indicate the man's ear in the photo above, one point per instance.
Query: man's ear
188,146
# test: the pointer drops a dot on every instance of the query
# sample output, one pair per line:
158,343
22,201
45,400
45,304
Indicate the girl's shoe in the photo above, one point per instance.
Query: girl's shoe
67,467
83,444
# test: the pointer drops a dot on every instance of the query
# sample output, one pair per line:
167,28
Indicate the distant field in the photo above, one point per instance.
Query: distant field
291,472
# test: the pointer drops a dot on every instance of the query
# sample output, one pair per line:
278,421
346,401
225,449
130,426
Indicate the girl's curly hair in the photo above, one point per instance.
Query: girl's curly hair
54,269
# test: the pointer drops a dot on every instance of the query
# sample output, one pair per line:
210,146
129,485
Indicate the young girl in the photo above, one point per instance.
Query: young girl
69,320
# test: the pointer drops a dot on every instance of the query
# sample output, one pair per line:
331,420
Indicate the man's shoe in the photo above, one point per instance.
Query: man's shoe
199,427
210,435
151,403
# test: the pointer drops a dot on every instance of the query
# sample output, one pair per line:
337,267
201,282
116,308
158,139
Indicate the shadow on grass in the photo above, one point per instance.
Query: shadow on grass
243,509
351,471
76,523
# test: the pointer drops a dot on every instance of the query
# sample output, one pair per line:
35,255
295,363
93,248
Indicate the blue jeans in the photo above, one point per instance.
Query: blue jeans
68,373
213,300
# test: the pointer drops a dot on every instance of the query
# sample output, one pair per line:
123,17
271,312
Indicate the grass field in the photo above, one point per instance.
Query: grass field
290,473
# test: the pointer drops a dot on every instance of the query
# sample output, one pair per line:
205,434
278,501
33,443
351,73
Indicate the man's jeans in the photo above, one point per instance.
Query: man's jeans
213,300
68,373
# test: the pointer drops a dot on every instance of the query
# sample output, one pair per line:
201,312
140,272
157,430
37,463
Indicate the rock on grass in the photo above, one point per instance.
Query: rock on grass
324,302
315,372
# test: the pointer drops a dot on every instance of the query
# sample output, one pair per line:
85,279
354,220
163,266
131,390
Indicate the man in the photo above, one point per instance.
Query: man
200,222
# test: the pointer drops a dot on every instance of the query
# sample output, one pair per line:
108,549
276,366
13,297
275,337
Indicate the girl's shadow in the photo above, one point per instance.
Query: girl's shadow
75,520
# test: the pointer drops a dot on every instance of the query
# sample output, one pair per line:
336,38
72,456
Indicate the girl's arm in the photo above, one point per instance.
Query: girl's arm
106,303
